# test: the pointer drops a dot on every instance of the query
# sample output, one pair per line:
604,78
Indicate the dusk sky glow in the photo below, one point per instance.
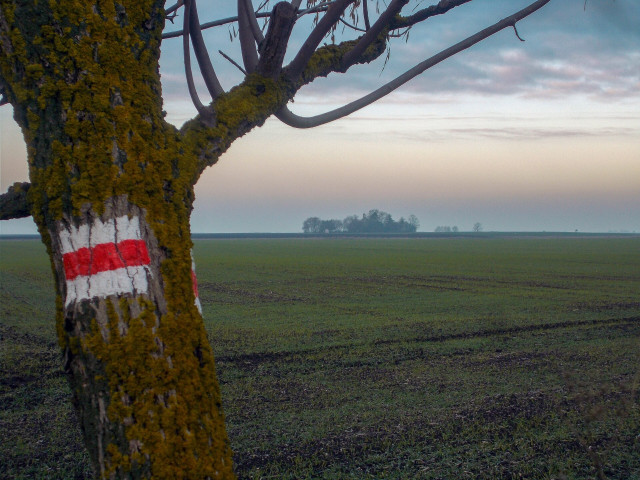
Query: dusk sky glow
520,136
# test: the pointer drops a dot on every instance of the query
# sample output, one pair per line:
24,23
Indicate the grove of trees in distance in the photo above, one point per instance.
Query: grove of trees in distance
376,221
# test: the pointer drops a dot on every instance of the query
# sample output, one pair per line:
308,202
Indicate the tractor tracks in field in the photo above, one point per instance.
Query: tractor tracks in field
512,330
252,359
335,286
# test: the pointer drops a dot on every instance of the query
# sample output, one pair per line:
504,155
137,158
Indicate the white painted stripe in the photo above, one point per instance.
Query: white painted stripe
102,233
103,284
74,239
127,228
124,228
65,241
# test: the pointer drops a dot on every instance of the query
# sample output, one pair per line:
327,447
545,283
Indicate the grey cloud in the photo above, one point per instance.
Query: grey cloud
516,127
568,51
508,133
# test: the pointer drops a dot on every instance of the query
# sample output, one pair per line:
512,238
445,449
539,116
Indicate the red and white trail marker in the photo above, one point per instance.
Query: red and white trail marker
194,282
105,258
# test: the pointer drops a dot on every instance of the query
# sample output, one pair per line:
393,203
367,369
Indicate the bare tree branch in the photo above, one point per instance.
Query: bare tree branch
297,121
333,14
247,40
275,42
200,49
14,204
322,7
351,26
205,113
253,22
212,24
441,8
515,30
271,95
174,8
232,61
368,38
365,14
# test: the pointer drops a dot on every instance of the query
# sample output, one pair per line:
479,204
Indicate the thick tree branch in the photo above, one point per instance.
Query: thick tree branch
372,33
252,102
238,111
200,49
206,114
14,204
334,12
253,22
247,40
257,98
275,42
308,122
186,50
441,8
326,60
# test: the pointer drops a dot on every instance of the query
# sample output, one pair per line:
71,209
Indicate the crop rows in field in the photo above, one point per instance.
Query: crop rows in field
378,358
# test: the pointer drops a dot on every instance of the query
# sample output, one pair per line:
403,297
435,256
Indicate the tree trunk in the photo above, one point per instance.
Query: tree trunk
141,369
111,193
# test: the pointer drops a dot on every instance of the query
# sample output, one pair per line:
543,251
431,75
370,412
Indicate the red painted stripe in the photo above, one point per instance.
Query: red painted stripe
76,263
194,281
105,257
134,253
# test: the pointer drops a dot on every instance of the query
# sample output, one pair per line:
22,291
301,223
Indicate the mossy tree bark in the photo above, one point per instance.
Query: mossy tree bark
111,193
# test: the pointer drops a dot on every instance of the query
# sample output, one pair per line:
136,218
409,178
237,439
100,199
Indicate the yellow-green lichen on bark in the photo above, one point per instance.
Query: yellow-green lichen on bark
101,83
160,393
83,79
243,108
328,59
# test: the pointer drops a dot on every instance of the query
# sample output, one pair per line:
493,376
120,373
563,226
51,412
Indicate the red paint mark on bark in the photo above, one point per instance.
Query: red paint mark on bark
194,281
105,257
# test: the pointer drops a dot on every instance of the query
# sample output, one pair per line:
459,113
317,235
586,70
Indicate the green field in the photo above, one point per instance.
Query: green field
457,358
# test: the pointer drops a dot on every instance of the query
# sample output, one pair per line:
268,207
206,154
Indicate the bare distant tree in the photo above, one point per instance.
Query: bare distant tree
312,225
477,227
414,222
112,188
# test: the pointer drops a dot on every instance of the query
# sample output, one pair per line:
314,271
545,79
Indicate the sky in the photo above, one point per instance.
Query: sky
540,135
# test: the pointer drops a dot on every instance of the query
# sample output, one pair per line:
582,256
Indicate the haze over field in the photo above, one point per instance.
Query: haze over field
540,135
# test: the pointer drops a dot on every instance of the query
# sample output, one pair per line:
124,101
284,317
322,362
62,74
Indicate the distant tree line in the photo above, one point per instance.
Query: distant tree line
376,221
446,228
477,227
